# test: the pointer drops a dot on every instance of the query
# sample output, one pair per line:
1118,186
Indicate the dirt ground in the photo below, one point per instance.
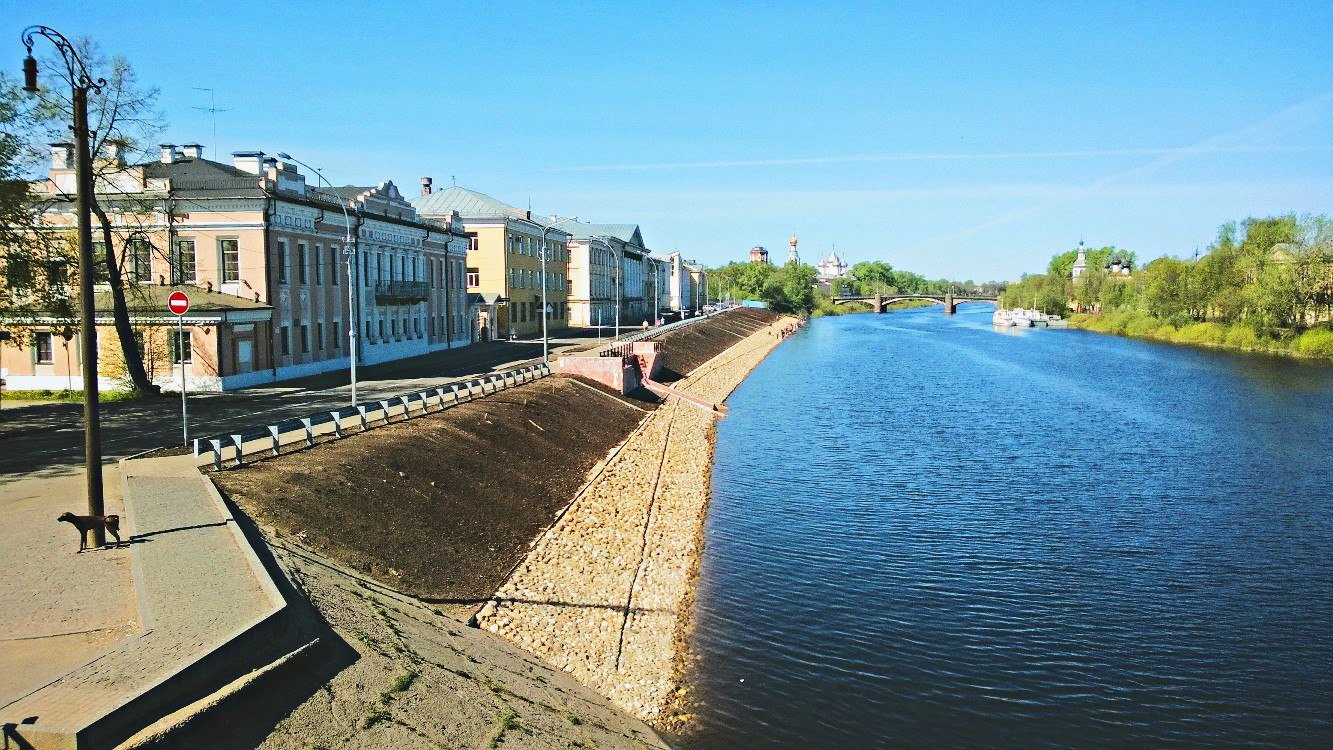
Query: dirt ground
691,346
443,507
391,673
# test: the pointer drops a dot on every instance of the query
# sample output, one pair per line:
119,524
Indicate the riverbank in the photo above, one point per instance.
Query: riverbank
604,595
1316,343
851,308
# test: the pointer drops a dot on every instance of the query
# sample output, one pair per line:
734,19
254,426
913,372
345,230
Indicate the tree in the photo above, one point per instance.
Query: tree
34,266
124,122
874,277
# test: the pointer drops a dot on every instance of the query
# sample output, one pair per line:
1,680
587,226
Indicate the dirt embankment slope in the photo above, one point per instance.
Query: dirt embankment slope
443,507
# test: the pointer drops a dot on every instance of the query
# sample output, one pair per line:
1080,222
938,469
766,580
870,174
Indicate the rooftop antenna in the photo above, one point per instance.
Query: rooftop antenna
212,109
454,180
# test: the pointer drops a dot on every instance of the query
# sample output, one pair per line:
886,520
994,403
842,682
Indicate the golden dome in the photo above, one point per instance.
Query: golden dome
792,241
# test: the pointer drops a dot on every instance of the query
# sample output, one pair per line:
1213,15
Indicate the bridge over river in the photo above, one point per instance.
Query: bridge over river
949,301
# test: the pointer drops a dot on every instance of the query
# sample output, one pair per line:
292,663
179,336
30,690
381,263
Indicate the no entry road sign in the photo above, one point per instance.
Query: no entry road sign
178,303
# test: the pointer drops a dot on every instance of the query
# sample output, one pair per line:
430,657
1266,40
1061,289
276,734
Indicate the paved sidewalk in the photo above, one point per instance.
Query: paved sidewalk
61,607
198,586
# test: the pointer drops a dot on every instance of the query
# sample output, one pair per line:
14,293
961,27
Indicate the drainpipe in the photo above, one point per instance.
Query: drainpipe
448,290
270,208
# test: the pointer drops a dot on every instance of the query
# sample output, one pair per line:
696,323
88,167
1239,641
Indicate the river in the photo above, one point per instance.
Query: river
925,533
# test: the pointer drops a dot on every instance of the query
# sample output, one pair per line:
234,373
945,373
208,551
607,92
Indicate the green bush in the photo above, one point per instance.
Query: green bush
1142,327
1165,332
1211,334
1242,336
1316,342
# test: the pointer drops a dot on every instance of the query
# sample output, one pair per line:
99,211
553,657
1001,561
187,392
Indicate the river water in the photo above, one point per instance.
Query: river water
925,533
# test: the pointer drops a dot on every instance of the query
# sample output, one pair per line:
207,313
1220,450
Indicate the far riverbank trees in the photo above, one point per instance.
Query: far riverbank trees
1264,284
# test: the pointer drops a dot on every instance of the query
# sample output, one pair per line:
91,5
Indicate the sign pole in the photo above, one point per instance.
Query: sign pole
180,349
179,304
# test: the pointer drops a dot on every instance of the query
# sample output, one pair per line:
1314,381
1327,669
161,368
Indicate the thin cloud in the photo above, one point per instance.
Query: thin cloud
871,158
1304,113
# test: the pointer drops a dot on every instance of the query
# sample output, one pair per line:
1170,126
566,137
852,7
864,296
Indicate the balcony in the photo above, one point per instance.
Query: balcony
402,292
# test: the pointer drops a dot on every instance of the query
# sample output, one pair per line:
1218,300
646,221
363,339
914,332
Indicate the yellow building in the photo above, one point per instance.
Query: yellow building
504,261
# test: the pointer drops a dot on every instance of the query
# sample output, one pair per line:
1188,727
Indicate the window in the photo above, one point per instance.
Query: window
381,330
231,260
393,326
283,261
301,276
141,256
472,243
319,336
365,269
43,348
511,244
182,262
367,330
337,340
319,265
180,343
305,339
333,265
285,341
416,327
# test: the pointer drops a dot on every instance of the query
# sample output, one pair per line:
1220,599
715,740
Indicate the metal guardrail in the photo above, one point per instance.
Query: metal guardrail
629,338
344,421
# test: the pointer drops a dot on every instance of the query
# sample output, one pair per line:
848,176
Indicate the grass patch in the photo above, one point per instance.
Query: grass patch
70,397
508,723
373,718
400,685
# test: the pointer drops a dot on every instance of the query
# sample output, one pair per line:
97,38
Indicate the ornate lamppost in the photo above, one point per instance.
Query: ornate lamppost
81,82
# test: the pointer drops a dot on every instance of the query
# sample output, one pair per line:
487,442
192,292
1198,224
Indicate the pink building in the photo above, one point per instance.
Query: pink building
263,257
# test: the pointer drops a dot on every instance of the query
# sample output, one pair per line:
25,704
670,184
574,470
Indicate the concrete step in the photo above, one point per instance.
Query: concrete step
210,609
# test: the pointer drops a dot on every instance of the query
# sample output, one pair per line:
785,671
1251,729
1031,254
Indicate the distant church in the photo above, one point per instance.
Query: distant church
832,267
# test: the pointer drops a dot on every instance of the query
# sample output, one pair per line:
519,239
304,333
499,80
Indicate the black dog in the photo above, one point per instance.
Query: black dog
87,523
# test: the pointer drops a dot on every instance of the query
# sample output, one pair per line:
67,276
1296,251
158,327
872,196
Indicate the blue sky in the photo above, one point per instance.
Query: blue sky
970,141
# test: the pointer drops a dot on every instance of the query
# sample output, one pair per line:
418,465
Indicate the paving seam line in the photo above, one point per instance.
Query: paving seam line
647,527
539,538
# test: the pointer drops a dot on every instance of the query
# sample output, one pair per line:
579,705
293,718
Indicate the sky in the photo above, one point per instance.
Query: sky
967,140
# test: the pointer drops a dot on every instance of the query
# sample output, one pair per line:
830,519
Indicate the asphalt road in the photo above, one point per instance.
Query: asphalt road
47,439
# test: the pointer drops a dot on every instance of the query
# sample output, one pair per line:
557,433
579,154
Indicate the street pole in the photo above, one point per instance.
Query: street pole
180,351
545,313
80,81
353,323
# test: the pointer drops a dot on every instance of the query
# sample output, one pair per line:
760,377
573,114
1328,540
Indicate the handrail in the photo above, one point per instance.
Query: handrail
236,445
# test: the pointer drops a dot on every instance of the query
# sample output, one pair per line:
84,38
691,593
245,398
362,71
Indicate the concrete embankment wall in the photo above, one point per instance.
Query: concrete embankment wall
603,592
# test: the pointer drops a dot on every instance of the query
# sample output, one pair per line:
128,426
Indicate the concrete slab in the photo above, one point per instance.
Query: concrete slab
202,598
61,607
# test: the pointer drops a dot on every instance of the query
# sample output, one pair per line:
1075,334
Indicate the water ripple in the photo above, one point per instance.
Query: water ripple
924,534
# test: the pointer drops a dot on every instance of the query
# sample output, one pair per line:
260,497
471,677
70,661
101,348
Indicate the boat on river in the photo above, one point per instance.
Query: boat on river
1002,318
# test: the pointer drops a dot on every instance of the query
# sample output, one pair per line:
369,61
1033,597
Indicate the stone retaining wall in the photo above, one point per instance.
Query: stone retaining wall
601,593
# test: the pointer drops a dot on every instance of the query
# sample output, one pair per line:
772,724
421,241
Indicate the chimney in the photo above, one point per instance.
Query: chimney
193,151
169,153
248,161
62,156
115,152
425,185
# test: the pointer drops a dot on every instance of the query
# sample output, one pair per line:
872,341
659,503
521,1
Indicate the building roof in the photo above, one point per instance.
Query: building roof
149,301
469,204
202,174
582,230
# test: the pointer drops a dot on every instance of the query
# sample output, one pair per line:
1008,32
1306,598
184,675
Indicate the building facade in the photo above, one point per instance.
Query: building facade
687,287
264,259
504,261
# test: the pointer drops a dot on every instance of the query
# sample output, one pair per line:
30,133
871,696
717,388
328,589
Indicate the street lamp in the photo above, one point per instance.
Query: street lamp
619,263
354,322
545,313
81,82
